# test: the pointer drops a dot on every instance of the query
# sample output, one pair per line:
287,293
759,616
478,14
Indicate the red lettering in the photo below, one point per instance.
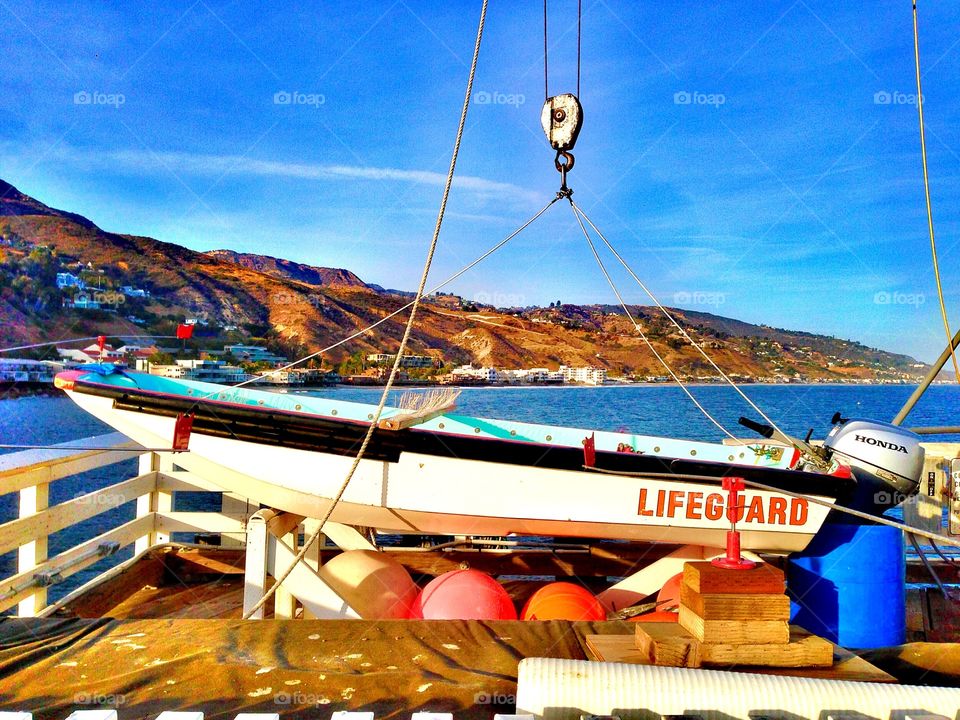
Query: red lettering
713,509
778,511
695,505
674,501
660,503
642,507
755,511
798,511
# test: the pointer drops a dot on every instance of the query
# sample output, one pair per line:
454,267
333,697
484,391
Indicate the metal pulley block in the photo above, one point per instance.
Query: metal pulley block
561,118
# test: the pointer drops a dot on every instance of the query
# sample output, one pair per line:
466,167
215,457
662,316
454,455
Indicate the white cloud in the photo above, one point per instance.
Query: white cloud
142,161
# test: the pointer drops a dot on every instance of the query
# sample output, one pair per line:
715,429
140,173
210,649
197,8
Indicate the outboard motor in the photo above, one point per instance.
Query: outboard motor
886,460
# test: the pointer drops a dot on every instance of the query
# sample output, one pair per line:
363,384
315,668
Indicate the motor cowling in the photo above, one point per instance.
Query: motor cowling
886,460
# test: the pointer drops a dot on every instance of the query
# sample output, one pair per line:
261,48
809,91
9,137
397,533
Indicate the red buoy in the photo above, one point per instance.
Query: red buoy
463,595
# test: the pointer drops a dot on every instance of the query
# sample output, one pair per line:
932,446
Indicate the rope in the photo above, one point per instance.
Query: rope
639,330
407,330
793,442
799,496
926,192
84,339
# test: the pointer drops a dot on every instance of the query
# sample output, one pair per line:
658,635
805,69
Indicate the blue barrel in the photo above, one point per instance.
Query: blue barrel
849,586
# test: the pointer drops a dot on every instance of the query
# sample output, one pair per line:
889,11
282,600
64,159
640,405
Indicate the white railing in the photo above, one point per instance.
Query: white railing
30,473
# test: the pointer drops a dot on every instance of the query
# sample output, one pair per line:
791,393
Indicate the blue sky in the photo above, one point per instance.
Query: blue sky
787,191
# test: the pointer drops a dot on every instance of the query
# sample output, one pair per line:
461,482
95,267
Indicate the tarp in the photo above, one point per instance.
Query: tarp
299,668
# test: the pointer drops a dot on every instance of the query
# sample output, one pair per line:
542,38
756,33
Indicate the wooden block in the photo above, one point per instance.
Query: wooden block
744,606
707,578
846,665
735,632
669,644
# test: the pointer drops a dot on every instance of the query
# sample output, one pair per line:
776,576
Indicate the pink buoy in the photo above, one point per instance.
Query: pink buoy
463,595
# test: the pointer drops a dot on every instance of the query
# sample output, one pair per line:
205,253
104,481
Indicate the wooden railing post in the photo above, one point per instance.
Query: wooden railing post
149,462
255,574
33,500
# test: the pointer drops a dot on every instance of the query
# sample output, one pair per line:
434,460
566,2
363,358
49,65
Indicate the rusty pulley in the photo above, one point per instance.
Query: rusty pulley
562,118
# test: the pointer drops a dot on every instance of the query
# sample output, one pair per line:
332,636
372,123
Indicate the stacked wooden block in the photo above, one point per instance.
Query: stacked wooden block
732,617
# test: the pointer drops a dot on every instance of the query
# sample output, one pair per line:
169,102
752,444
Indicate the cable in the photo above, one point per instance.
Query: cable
803,447
637,327
926,564
546,86
85,339
579,13
926,191
407,330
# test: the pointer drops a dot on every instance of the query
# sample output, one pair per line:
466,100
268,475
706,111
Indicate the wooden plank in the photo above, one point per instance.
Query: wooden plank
669,644
745,606
734,632
707,578
124,534
191,564
27,468
183,480
58,517
33,500
846,665
201,522
601,560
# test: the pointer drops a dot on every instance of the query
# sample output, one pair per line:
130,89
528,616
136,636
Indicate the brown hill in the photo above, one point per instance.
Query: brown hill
278,267
311,307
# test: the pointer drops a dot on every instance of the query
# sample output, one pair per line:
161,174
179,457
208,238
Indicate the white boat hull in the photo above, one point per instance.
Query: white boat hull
447,496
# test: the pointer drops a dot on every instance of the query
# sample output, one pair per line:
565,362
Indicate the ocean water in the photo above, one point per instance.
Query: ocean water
647,409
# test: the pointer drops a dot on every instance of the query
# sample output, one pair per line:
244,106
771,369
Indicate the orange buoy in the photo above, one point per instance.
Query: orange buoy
463,595
563,601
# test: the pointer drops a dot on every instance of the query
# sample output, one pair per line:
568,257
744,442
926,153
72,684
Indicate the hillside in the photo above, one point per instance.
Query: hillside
298,307
278,267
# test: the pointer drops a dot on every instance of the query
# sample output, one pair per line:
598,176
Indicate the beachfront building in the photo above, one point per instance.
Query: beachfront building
213,371
470,374
253,353
583,375
407,361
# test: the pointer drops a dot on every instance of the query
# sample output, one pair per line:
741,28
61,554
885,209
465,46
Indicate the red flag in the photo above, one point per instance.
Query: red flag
184,332
181,431
590,450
